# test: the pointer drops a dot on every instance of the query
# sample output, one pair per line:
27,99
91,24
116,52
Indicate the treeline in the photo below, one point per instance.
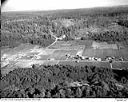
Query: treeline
15,39
123,23
34,31
38,27
110,36
57,81
26,26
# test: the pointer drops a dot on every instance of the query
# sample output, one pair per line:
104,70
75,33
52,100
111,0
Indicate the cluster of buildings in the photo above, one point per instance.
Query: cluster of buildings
111,59
78,57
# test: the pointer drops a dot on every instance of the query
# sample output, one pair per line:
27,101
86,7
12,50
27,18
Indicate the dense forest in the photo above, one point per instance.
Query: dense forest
103,24
64,82
16,32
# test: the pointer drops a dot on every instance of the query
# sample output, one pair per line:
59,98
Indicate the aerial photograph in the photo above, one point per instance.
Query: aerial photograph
64,49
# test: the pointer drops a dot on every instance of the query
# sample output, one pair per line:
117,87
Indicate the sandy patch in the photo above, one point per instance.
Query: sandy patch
28,63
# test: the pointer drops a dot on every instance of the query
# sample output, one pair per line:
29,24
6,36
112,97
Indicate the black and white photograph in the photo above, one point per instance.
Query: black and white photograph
64,49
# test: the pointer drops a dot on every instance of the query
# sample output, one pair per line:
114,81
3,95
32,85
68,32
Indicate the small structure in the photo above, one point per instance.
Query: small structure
82,57
68,55
114,24
62,37
4,57
77,38
121,59
77,61
51,59
110,59
99,59
79,53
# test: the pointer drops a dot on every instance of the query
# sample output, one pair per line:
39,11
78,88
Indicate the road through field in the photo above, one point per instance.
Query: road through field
56,38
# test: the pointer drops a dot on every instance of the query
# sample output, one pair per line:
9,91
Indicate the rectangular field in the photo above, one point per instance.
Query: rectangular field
93,53
124,53
111,52
61,54
44,57
72,44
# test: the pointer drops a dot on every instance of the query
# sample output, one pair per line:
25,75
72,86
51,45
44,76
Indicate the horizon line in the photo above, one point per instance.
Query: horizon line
20,11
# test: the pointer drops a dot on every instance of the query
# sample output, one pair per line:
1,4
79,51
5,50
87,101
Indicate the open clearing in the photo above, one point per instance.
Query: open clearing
26,55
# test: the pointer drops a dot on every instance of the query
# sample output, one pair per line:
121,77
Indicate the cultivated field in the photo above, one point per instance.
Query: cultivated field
25,56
